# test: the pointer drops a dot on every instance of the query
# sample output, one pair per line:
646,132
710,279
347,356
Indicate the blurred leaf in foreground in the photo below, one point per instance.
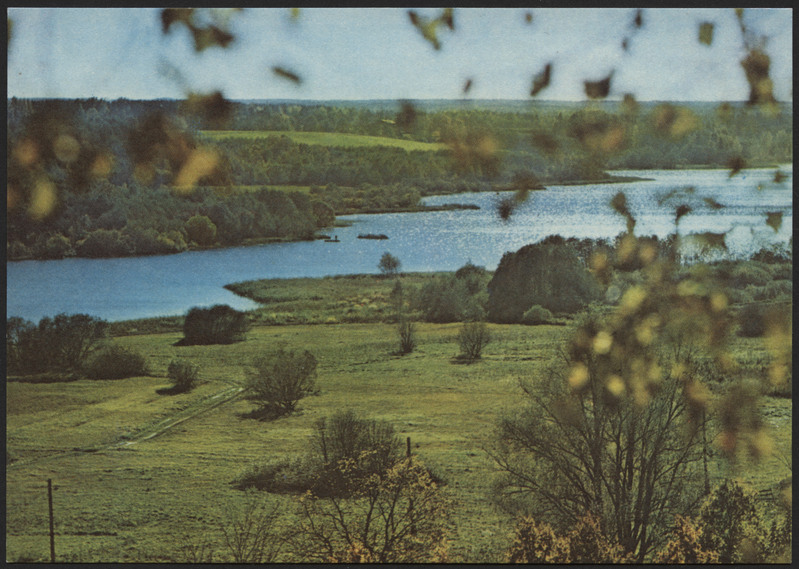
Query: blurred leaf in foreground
681,211
780,177
598,89
672,121
774,220
541,81
428,27
284,73
706,33
756,66
735,165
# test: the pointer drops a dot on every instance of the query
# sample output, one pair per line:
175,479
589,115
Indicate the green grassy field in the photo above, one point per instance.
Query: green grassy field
138,502
327,139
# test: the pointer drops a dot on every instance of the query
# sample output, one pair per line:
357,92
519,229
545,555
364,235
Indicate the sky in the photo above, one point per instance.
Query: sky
376,53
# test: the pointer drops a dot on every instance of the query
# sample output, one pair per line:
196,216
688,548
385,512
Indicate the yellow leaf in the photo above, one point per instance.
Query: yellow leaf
774,220
43,199
201,163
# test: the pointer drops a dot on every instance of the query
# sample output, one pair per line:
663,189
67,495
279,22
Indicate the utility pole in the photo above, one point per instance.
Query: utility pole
52,530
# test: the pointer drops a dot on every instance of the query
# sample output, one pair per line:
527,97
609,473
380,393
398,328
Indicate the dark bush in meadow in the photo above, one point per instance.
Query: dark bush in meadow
278,381
406,331
751,321
219,324
184,375
362,446
472,338
116,362
282,476
549,275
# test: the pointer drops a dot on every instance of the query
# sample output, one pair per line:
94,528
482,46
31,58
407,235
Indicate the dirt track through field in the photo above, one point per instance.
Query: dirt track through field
151,431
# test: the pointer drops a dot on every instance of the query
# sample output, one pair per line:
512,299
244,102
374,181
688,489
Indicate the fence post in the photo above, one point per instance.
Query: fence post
408,447
52,530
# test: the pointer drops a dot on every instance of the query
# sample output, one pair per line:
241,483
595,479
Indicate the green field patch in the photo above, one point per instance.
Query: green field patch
327,139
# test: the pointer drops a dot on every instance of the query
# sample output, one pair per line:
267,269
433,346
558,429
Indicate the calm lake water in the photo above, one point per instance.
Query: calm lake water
121,289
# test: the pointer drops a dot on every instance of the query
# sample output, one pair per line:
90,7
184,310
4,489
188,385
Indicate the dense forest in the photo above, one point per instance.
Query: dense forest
95,178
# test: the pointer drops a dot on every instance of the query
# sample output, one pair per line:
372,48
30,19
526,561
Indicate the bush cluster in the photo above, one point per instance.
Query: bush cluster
58,345
367,446
219,324
454,298
116,362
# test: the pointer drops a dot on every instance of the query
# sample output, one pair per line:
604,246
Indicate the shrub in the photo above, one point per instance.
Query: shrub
279,380
445,299
684,545
250,532
282,476
219,324
407,336
472,338
774,290
549,275
535,542
184,375
751,321
116,362
371,445
536,315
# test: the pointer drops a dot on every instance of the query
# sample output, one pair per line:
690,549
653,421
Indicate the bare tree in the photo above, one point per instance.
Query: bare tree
568,452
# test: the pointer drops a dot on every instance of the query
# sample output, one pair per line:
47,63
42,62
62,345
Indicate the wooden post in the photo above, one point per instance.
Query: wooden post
52,530
408,447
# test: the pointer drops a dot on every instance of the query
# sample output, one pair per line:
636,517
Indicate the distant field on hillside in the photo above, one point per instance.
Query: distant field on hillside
327,139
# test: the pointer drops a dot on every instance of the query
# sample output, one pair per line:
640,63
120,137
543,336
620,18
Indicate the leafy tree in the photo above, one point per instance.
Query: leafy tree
279,380
201,230
219,324
389,264
548,275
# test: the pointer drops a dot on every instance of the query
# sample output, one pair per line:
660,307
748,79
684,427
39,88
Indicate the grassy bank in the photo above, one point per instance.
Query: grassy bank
140,502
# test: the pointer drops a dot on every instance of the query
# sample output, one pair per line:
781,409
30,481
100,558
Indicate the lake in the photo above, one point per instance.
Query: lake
140,287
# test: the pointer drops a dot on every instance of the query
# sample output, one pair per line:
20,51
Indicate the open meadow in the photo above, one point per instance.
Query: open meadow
138,475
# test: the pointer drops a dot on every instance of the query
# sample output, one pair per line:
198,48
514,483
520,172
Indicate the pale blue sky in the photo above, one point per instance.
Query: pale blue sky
375,53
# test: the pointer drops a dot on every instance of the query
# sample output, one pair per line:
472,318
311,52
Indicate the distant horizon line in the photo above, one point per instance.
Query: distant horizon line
390,99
